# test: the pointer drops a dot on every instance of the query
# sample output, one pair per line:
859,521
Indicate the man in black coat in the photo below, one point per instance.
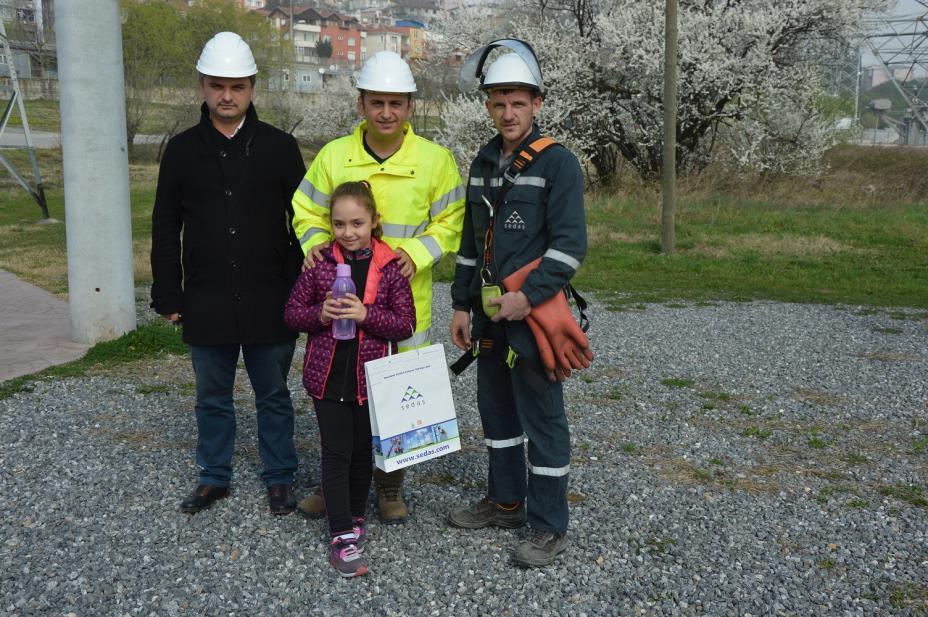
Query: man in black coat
223,260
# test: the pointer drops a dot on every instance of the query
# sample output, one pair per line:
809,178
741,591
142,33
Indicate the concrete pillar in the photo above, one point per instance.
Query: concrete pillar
96,169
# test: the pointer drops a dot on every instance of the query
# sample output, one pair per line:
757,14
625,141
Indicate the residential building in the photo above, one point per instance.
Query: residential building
385,38
422,11
414,38
29,27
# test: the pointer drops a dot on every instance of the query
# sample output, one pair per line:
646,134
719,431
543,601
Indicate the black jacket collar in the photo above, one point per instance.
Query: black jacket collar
210,132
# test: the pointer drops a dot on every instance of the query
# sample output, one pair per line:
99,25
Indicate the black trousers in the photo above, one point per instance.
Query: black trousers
347,459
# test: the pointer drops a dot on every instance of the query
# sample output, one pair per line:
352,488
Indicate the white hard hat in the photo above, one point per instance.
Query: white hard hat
227,55
385,71
511,71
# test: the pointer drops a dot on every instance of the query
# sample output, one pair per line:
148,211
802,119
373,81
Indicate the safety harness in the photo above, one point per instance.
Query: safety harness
498,345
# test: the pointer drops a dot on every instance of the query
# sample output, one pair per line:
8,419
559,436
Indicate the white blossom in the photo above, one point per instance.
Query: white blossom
749,73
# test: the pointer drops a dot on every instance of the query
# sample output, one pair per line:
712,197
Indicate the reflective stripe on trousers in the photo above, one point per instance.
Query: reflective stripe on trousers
512,412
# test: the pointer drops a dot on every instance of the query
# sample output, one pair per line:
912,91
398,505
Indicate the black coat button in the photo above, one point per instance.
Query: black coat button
232,230
228,193
238,296
223,153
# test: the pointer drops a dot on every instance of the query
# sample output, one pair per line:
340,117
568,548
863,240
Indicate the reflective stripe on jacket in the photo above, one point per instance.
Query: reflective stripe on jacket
419,196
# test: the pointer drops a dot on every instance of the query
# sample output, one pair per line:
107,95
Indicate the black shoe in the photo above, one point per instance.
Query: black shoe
280,499
203,497
488,513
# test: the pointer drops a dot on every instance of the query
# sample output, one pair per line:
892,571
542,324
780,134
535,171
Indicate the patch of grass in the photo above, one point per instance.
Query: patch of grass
586,378
615,395
816,442
617,305
659,545
816,398
43,115
148,341
715,461
701,475
674,305
888,330
771,243
713,395
18,385
908,493
708,406
854,458
826,564
745,410
908,316
855,503
153,389
827,492
629,448
37,253
920,445
677,382
756,432
912,597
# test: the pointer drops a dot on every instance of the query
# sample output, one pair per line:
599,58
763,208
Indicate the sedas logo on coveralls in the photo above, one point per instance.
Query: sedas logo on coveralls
514,222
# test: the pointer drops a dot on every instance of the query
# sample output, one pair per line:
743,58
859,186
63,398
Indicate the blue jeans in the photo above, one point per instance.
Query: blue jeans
267,366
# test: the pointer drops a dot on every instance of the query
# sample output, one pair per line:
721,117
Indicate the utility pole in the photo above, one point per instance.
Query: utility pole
96,169
669,158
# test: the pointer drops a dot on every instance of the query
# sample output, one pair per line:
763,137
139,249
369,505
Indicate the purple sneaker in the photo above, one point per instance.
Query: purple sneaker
360,531
346,558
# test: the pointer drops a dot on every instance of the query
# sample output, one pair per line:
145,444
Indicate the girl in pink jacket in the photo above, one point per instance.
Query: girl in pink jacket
333,370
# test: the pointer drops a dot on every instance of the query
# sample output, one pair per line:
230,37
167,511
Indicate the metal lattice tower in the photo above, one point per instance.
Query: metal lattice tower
900,46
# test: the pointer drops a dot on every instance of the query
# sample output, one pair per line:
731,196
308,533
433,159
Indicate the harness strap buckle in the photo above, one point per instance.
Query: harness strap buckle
512,358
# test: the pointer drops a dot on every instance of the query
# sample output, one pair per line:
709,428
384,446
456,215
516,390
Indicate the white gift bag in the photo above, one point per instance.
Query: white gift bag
411,408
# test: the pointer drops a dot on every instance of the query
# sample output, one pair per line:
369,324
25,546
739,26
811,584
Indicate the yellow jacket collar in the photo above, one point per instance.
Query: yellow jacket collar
404,157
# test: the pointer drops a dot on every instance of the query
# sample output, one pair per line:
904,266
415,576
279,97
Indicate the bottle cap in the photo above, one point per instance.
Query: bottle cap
343,270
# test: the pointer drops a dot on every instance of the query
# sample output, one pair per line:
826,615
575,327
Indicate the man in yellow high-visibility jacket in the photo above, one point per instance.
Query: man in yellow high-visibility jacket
419,196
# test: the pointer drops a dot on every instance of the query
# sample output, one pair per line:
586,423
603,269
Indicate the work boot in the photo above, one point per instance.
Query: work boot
390,506
540,550
487,513
312,506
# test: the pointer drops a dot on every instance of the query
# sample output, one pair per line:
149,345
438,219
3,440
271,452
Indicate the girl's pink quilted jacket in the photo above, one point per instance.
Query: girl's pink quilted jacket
391,314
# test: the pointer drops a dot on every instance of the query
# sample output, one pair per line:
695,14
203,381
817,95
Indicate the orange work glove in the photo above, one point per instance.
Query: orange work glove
562,345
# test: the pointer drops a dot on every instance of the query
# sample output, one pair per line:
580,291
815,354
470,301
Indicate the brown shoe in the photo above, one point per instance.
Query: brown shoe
203,497
312,506
390,506
280,499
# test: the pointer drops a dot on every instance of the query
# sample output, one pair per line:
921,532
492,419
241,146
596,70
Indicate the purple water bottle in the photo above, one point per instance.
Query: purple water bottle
343,329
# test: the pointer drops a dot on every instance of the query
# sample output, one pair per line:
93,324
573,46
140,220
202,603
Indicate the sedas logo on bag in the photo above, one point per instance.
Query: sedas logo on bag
412,398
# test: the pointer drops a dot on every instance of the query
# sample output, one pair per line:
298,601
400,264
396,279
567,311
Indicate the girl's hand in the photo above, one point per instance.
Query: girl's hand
330,308
349,307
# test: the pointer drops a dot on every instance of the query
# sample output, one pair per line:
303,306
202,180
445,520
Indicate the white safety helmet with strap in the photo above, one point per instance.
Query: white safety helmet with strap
385,71
509,71
517,69
227,55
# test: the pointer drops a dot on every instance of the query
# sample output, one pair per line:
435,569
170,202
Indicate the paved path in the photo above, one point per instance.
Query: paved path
35,329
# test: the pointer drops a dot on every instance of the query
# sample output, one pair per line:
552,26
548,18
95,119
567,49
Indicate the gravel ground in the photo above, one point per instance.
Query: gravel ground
729,459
